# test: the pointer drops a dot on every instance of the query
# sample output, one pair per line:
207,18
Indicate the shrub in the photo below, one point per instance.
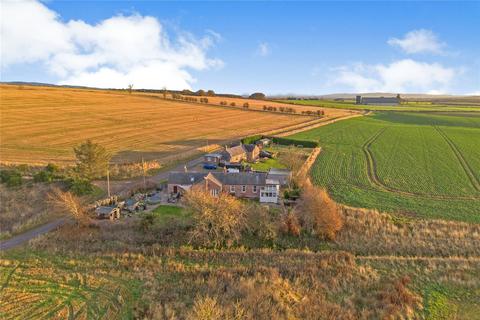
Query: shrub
289,224
320,214
233,104
217,221
262,223
80,187
206,308
252,139
246,105
11,178
48,174
147,221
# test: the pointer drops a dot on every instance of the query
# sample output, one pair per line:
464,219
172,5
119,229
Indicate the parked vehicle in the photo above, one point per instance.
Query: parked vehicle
209,166
108,212
154,198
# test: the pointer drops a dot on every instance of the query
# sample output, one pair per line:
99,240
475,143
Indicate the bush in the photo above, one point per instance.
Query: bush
48,174
320,214
246,105
262,223
147,221
217,221
252,139
289,224
12,178
233,104
80,187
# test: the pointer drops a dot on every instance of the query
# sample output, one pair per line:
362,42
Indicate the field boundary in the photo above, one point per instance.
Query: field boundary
466,167
375,180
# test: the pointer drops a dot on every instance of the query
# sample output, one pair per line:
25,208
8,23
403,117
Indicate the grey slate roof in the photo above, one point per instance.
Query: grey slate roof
249,147
228,178
186,178
241,178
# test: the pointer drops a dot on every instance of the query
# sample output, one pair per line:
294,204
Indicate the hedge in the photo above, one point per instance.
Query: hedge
281,141
252,139
289,142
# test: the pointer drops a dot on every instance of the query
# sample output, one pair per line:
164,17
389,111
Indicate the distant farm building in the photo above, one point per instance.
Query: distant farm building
378,101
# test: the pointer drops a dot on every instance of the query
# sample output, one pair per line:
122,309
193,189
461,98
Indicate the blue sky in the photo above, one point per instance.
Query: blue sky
241,47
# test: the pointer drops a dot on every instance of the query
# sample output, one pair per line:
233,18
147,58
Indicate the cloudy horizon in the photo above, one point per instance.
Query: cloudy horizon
182,46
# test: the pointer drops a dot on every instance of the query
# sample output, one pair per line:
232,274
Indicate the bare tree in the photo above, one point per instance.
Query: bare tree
130,88
69,203
164,91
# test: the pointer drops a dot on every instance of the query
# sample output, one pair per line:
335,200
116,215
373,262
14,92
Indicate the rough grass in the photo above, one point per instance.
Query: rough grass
423,164
40,125
35,286
359,276
24,208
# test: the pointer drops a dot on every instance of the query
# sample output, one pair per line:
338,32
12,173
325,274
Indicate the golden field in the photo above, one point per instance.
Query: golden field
41,124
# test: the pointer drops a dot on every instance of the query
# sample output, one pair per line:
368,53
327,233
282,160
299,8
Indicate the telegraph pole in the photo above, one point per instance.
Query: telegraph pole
108,181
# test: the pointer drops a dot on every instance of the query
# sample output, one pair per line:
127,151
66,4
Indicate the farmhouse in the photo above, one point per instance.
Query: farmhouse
248,152
378,101
250,185
234,154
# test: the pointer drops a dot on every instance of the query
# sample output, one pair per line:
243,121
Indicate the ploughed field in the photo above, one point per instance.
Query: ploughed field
42,124
414,163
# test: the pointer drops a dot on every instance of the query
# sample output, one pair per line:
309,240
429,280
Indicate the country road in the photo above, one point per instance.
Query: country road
25,237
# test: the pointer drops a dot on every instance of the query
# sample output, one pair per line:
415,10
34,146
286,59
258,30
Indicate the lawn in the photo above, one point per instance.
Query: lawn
415,163
265,165
40,125
164,213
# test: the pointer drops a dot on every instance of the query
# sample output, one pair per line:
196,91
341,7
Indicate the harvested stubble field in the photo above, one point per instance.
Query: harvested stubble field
414,163
42,124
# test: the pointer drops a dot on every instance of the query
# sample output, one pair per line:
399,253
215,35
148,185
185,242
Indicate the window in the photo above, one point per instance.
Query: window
232,189
244,188
214,192
254,189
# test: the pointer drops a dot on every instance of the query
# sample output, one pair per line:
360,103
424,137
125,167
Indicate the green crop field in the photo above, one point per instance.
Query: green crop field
425,164
406,106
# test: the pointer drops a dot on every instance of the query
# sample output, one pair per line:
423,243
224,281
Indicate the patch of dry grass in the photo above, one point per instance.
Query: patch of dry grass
23,208
368,232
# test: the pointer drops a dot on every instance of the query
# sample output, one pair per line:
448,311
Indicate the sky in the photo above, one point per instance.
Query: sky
305,48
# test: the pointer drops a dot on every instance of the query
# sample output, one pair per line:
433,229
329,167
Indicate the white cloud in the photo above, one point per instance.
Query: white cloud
419,41
263,49
399,76
113,53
